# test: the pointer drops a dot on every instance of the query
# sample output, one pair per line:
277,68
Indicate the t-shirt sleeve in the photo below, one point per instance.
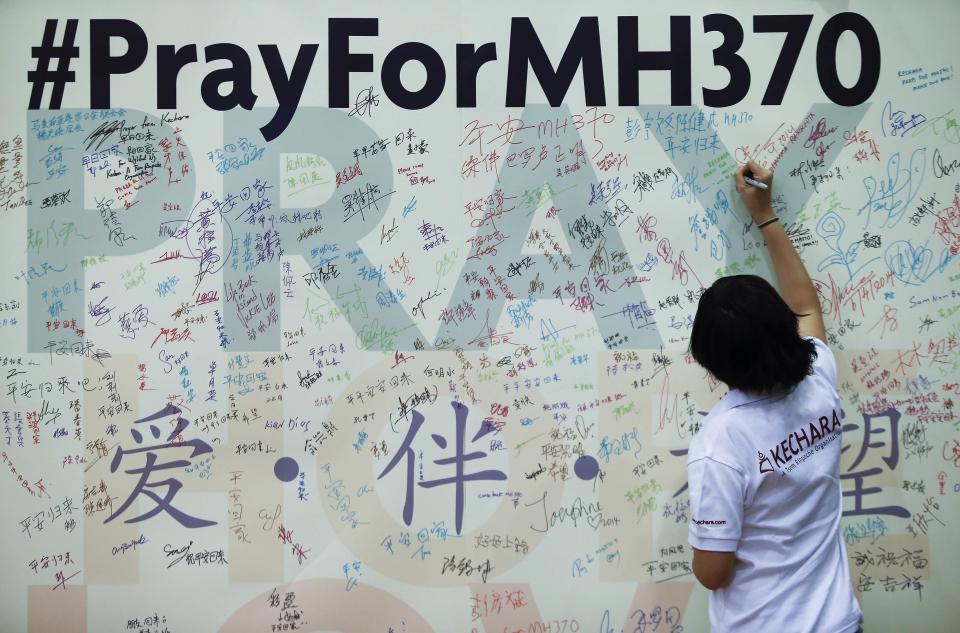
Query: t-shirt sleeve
826,364
717,492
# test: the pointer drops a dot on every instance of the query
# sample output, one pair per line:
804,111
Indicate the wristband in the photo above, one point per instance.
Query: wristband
771,221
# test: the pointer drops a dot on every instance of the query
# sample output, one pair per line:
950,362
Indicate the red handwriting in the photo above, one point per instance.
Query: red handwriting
172,336
286,537
207,297
819,131
681,269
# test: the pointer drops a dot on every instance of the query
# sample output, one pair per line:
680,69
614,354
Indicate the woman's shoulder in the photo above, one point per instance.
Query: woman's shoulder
717,434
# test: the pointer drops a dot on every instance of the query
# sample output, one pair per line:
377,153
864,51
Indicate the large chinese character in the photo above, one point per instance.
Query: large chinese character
173,486
459,459
893,417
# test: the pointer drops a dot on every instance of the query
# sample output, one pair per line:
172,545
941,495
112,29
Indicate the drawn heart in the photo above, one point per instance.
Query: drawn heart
908,264
594,520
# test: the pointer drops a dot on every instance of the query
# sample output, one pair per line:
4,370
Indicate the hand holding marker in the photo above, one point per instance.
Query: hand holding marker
753,183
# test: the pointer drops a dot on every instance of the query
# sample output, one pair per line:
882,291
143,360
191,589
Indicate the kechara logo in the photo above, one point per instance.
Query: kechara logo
806,437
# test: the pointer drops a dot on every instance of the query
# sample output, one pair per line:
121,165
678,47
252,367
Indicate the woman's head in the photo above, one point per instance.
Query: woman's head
746,336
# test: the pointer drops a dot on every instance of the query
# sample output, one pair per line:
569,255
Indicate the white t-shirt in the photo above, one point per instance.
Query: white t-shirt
764,483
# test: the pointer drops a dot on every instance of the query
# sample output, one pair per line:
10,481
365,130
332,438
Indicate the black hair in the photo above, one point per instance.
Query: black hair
746,335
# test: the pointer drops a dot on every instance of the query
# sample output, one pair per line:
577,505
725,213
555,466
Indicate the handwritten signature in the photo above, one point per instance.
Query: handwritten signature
364,103
898,121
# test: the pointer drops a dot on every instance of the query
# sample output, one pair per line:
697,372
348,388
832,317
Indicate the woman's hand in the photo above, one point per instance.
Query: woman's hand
757,200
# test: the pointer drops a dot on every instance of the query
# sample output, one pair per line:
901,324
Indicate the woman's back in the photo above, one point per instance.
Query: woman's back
764,482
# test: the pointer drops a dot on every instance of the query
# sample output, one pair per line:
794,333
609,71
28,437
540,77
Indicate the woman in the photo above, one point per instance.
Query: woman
763,472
